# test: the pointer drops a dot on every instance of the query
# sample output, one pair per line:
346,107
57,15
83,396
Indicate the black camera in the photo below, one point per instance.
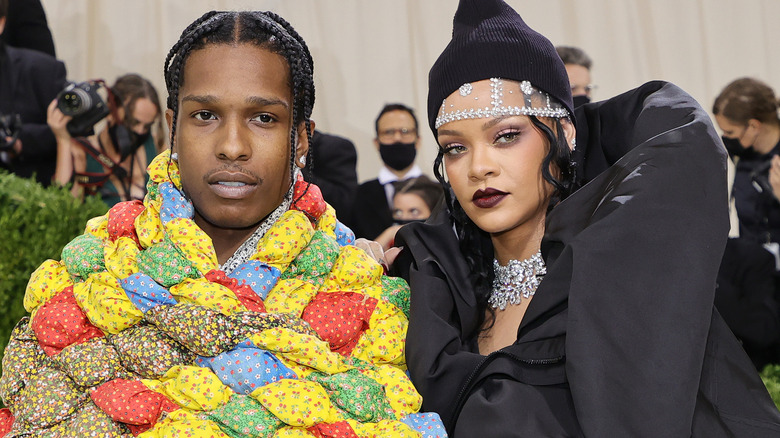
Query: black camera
85,105
10,126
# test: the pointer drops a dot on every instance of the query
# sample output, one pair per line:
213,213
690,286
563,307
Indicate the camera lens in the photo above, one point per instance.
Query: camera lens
74,102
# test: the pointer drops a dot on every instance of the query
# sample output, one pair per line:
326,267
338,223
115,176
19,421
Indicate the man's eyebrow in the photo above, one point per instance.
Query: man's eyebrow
264,101
199,99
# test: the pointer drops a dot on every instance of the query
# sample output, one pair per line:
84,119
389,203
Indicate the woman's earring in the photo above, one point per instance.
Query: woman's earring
573,143
175,156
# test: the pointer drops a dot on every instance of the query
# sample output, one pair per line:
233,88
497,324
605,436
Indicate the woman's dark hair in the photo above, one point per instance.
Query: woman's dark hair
475,244
747,98
263,29
429,191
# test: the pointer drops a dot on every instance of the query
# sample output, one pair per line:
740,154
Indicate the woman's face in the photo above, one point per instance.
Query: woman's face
494,164
744,134
409,206
233,134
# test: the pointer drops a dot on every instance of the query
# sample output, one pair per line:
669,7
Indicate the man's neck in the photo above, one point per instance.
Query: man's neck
225,241
400,173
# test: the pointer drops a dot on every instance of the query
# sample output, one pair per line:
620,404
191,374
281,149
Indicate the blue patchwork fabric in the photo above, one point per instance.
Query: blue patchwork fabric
145,293
428,424
257,275
174,204
344,235
246,367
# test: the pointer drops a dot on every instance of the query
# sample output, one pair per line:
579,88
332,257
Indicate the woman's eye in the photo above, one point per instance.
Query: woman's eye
204,115
507,137
455,149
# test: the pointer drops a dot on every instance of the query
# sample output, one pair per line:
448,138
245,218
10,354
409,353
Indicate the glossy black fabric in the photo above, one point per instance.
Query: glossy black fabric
334,170
621,338
29,81
370,213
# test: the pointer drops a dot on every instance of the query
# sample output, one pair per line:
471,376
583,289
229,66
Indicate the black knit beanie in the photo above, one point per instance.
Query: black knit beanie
490,40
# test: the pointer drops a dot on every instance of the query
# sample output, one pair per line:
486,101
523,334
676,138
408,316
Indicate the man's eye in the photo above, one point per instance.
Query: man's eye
203,115
264,118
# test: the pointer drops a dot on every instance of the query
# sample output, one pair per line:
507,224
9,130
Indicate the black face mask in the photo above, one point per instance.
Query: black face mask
733,146
398,155
580,100
126,141
408,221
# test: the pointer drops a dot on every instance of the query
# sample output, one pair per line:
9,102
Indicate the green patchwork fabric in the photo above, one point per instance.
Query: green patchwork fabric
165,264
83,256
396,291
243,417
358,396
315,262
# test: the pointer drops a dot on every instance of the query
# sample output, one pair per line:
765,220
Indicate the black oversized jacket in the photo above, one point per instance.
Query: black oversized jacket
621,338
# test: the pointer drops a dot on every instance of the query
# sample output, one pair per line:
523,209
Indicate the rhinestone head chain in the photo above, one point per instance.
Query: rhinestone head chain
536,103
515,281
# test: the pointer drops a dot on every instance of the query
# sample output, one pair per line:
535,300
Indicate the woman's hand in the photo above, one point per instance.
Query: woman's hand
58,122
774,176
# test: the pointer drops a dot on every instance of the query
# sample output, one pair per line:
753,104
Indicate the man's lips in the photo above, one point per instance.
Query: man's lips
487,198
232,185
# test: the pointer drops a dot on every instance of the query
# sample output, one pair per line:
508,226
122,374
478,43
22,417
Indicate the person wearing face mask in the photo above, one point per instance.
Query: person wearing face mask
396,140
413,201
746,112
113,162
578,65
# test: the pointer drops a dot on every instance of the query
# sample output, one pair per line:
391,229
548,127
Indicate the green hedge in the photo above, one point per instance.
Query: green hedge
771,377
35,224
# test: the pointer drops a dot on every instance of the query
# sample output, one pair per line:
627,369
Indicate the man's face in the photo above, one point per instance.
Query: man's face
233,134
579,78
396,126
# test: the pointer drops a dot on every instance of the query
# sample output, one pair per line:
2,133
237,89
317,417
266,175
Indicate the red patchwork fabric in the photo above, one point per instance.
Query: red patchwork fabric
6,421
132,403
61,322
243,292
121,220
307,198
342,429
340,318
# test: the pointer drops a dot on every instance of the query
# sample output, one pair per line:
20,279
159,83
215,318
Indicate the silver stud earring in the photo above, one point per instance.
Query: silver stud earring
175,156
573,143
302,160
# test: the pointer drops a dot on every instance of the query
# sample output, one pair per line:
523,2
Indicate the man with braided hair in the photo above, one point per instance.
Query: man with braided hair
230,301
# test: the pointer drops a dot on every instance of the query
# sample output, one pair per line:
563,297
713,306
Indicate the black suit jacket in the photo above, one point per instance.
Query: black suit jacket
29,81
333,170
370,214
26,27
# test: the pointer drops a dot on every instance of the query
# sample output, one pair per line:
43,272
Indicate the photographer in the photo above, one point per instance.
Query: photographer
29,80
113,162
746,112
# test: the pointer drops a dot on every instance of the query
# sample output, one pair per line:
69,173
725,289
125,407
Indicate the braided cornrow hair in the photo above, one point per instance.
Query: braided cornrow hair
264,29
475,244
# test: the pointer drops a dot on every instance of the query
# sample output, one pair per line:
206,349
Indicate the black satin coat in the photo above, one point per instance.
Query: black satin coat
621,338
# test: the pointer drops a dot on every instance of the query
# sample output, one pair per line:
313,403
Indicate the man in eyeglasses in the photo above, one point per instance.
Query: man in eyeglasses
396,140
578,65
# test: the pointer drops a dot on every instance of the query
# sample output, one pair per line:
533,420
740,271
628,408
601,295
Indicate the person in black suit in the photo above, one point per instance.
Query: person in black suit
333,170
397,140
29,81
27,27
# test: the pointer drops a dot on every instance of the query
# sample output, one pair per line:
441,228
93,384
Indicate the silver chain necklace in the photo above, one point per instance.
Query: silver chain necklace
515,281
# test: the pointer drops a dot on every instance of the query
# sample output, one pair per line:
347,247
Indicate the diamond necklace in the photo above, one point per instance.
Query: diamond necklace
518,279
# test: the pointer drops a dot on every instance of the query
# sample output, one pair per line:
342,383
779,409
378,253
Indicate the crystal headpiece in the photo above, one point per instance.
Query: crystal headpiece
536,103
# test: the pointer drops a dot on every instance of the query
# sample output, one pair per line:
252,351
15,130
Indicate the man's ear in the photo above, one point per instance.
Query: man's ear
169,121
302,147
